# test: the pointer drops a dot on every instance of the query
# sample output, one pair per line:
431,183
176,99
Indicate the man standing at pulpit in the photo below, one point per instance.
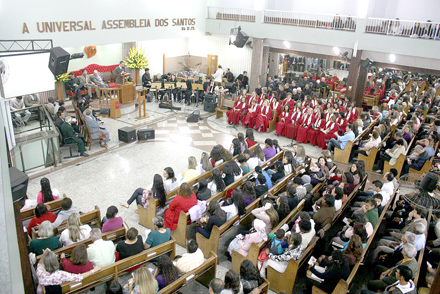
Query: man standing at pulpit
119,71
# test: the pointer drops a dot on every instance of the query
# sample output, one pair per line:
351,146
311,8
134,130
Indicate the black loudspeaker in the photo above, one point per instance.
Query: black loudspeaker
429,182
19,183
58,61
193,117
241,39
210,98
366,63
210,106
127,134
104,111
146,134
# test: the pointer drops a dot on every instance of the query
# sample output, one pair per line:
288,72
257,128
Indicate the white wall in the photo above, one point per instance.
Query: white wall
105,55
237,59
406,9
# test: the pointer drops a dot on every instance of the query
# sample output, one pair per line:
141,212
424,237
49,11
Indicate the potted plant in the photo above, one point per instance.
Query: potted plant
59,82
136,60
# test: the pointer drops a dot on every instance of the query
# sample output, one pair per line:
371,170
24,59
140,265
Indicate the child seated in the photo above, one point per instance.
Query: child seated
278,244
337,176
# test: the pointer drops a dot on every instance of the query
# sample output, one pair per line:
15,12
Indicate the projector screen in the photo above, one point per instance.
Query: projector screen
26,74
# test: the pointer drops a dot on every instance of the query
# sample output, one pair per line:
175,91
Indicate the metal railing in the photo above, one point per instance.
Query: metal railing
403,28
311,20
235,14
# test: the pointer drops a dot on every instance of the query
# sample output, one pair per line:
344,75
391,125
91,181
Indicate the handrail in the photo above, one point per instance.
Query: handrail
403,28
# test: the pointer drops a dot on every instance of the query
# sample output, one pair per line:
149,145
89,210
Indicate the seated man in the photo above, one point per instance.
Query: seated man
387,248
74,85
216,286
31,100
341,141
388,276
70,136
87,81
67,208
416,160
50,105
101,253
403,284
416,216
98,79
95,129
146,78
191,260
21,116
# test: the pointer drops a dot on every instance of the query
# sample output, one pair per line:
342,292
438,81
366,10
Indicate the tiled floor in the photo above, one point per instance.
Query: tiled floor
109,176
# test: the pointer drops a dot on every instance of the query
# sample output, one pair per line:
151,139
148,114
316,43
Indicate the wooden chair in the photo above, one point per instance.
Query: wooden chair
89,138
273,121
119,268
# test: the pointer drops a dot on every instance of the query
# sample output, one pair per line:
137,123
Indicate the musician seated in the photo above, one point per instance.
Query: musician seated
243,80
146,78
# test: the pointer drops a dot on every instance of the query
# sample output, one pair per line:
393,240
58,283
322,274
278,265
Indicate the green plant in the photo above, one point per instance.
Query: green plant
62,78
137,58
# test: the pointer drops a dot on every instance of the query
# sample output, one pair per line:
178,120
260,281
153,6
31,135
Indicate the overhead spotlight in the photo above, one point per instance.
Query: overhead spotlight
286,44
392,57
336,50
237,37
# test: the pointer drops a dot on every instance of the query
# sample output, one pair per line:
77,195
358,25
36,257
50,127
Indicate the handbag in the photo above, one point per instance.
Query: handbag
262,257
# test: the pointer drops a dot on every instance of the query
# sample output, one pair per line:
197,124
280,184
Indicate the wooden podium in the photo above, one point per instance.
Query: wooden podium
126,92
115,111
141,101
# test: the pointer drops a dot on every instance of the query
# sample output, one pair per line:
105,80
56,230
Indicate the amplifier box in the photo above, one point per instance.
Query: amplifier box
210,98
146,134
127,134
210,106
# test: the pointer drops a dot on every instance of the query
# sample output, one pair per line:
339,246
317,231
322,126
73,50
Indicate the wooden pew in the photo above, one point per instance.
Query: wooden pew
92,218
115,235
203,274
344,285
29,213
119,268
179,234
422,252
225,105
146,215
273,121
212,244
400,160
343,156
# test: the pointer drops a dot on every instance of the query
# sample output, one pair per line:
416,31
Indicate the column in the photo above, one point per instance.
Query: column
274,63
357,77
257,63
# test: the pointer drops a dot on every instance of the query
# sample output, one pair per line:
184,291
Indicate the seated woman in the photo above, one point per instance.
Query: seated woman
251,116
259,153
216,156
232,284
306,126
142,196
249,194
112,222
347,183
49,274
47,193
279,172
330,131
159,235
236,113
296,119
237,207
357,176
282,207
235,148
300,155
41,215
317,127
217,183
337,269
289,163
243,164
192,170
252,160
263,117
214,216
242,244
366,147
166,272
79,262
249,276
250,138
132,245
280,262
243,144
322,163
75,231
170,183
231,172
184,200
284,120
45,239
202,192
316,175
204,165
268,215
144,282
362,227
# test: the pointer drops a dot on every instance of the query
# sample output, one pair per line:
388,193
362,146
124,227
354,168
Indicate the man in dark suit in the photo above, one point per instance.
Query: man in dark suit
146,78
229,76
119,70
69,136
74,85
243,80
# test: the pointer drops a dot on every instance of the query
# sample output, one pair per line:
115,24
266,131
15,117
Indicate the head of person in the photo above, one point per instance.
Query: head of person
322,161
131,234
348,177
145,280
378,198
408,238
45,230
51,263
168,173
272,213
73,225
329,200
215,209
121,64
296,239
40,210
112,211
250,134
84,71
166,268
158,222
192,246
370,204
305,225
96,234
377,185
338,258
237,199
185,190
419,229
192,162
46,190
79,255
216,286
66,203
338,193
248,271
114,288
403,273
232,281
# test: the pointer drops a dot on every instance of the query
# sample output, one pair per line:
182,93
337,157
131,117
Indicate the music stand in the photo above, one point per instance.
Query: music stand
181,86
169,86
155,87
197,87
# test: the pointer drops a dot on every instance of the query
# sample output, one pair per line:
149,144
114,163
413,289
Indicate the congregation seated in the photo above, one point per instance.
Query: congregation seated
184,200
67,208
132,245
75,231
101,253
47,193
45,239
41,214
192,259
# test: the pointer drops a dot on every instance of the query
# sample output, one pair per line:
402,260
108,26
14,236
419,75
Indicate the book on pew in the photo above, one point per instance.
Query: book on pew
337,245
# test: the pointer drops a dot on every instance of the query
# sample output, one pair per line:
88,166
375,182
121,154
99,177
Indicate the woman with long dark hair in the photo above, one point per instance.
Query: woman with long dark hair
249,194
170,182
142,196
237,207
216,157
166,272
235,148
232,283
249,276
47,193
250,138
216,184
283,207
215,216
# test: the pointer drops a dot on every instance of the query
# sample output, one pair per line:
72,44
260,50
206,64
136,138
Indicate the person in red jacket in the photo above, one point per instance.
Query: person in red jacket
236,113
251,115
42,214
295,121
284,119
306,126
79,262
263,118
184,200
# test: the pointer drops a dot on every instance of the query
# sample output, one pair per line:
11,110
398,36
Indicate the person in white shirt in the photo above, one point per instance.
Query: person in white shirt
237,207
21,116
75,231
218,75
101,253
170,182
191,260
388,186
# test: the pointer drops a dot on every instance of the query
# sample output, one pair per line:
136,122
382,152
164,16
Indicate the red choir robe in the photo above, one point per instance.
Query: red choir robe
303,129
332,132
313,133
352,115
292,127
314,103
275,105
235,114
250,99
284,120
328,116
263,118
288,101
342,122
251,116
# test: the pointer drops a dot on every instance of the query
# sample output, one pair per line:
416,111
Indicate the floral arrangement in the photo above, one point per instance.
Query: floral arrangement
62,78
137,58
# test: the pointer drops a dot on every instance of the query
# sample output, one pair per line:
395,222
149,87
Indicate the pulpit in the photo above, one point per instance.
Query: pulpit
126,92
